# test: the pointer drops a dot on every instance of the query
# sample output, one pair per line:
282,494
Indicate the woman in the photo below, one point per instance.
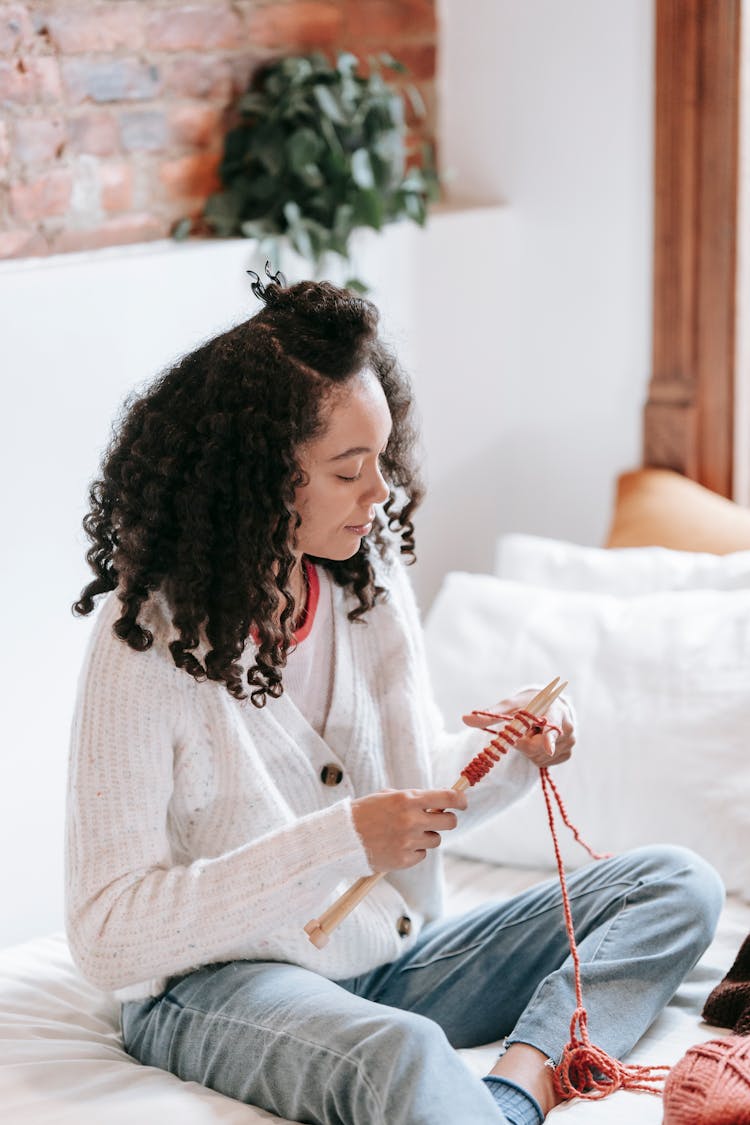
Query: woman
254,731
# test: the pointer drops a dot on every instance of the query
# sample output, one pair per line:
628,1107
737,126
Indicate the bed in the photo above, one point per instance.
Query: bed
657,643
62,1061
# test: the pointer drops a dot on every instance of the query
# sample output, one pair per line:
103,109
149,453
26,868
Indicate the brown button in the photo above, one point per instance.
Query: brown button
404,925
331,774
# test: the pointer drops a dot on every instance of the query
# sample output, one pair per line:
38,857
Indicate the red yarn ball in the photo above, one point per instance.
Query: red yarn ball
710,1085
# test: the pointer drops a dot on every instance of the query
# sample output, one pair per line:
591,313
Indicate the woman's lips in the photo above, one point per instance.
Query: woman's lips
359,529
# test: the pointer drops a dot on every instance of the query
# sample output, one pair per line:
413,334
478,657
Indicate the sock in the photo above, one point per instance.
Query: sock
729,1003
519,1106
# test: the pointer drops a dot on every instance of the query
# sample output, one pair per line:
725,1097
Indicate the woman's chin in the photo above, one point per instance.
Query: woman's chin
336,552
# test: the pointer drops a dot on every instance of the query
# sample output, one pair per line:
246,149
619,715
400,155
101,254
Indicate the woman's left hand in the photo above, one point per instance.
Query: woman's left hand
545,749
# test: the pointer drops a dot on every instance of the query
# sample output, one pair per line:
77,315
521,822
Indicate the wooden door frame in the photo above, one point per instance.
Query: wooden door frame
689,416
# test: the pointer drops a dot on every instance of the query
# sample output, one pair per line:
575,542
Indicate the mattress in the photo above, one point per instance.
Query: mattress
62,1061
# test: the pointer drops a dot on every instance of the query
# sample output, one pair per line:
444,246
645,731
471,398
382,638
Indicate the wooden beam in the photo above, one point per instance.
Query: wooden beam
689,420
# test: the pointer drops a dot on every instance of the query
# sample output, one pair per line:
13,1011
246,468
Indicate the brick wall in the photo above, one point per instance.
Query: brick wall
112,113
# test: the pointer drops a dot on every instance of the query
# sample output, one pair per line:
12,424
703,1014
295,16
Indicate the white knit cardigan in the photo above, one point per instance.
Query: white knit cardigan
198,827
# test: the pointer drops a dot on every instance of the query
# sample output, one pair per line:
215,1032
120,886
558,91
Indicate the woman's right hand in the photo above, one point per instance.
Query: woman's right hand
397,826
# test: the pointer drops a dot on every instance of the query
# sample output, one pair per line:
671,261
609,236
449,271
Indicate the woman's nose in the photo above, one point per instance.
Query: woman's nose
378,491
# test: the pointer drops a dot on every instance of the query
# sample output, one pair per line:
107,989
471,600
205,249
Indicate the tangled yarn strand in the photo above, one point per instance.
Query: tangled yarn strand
711,1084
584,1070
547,780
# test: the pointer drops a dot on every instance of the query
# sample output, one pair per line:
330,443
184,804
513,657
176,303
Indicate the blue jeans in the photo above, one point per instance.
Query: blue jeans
378,1049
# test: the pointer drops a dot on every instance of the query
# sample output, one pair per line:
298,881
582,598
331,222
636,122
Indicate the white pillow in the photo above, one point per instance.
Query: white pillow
661,687
625,571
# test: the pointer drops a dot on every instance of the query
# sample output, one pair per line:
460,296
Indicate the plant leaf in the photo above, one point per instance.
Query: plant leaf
182,229
368,209
292,213
303,147
270,248
357,285
396,110
393,64
254,229
311,176
414,181
347,63
297,69
415,208
417,101
301,241
328,103
222,212
362,172
335,147
254,103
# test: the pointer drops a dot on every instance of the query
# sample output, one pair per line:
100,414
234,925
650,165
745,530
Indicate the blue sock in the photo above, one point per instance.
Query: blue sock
519,1106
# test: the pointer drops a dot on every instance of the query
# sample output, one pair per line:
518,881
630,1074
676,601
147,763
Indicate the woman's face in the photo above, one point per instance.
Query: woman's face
337,505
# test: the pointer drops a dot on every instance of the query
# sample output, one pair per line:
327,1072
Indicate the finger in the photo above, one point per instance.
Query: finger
535,750
442,821
563,751
430,839
550,739
480,721
559,714
439,799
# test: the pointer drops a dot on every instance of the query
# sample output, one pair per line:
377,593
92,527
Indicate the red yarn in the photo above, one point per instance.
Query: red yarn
547,780
584,1070
710,1085
481,765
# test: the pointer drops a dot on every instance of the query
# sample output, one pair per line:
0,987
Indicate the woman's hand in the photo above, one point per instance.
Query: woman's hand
545,749
397,826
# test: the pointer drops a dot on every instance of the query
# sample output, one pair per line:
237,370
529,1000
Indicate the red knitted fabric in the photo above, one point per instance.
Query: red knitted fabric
501,743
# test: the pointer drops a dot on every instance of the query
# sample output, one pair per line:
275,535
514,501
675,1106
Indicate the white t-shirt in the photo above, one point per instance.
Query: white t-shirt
308,676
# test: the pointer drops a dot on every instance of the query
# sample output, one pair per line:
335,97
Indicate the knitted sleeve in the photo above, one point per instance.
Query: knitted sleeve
452,751
133,914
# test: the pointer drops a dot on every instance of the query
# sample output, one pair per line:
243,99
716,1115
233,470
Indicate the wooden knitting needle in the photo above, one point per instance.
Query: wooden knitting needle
319,929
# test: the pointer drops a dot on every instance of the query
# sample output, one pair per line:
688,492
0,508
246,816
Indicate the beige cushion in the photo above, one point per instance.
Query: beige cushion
660,508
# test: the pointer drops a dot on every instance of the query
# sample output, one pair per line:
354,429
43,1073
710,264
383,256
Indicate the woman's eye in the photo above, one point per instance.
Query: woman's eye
349,478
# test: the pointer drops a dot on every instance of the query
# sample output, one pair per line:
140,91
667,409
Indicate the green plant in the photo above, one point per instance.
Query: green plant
320,151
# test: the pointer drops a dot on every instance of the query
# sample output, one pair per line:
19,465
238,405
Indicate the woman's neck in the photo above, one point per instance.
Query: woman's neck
299,588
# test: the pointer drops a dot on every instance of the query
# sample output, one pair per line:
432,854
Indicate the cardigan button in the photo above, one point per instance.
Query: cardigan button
404,925
331,774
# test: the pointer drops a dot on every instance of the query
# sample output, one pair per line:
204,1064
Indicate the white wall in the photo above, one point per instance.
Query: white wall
526,327
548,105
76,333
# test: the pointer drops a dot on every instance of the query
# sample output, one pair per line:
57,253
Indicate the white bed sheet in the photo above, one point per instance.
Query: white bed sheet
62,1062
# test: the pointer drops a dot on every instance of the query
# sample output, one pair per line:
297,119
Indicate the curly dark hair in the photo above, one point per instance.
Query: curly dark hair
196,493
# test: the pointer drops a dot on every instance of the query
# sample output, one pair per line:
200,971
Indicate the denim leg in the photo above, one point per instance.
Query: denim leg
642,920
283,1038
634,960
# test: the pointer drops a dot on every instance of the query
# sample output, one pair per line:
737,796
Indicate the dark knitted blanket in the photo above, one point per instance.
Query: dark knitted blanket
729,1003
